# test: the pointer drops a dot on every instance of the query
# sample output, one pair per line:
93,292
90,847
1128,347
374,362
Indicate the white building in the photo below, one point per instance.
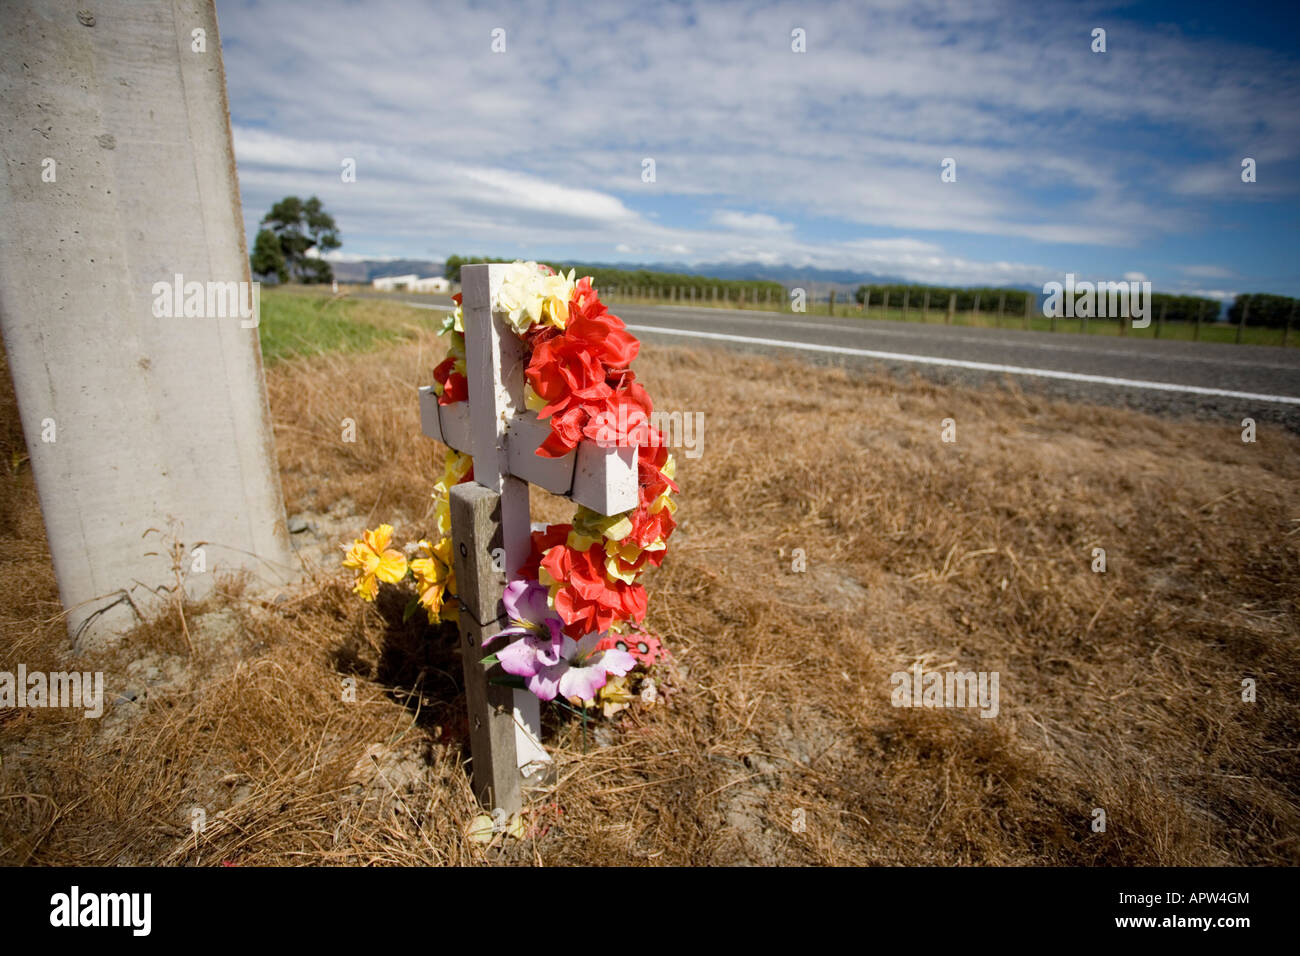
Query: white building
431,284
395,283
411,283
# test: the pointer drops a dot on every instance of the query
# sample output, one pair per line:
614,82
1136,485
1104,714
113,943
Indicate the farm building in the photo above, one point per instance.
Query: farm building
411,283
395,283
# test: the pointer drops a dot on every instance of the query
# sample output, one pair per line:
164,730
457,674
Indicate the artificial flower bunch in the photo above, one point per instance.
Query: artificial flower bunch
578,598
579,379
433,572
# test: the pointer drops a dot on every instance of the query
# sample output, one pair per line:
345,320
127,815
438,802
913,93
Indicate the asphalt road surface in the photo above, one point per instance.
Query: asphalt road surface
1224,382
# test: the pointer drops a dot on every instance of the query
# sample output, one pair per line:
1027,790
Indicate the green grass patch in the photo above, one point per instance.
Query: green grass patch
297,322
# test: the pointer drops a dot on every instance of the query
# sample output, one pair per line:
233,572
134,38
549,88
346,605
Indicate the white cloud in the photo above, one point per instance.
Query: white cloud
749,222
462,150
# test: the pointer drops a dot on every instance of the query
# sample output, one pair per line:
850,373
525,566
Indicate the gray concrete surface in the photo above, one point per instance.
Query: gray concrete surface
161,427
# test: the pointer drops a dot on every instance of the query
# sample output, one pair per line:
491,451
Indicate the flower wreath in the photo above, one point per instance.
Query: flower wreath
575,609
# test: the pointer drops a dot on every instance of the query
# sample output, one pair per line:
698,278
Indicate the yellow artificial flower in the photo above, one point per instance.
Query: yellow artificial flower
532,401
374,561
556,291
435,579
614,696
528,296
456,465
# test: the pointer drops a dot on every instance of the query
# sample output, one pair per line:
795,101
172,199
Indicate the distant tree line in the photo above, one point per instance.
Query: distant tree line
607,278
967,299
1266,310
1178,308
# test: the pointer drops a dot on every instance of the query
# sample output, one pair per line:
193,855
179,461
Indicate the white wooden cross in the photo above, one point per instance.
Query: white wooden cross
492,513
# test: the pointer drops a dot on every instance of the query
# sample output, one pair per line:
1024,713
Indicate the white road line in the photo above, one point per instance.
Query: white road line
976,366
423,305
917,330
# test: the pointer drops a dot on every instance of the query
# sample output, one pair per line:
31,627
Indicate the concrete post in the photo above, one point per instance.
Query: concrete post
120,186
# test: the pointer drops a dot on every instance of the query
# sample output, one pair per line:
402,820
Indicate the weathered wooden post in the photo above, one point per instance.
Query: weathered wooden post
491,512
952,308
1002,307
1286,329
1196,333
1245,311
906,294
975,311
925,307
1160,319
128,315
830,309
1029,305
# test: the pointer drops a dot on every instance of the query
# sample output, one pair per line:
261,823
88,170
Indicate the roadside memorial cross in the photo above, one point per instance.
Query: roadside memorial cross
491,523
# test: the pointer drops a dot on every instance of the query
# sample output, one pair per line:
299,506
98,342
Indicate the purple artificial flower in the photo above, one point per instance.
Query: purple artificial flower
581,673
551,662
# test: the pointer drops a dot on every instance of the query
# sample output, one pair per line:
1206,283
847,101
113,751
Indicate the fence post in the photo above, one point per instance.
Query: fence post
952,308
906,294
975,310
925,307
1029,304
1002,306
1196,335
1245,310
1286,330
830,309
1160,319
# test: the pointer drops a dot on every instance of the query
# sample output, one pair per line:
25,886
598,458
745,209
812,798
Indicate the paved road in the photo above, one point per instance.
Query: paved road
1205,379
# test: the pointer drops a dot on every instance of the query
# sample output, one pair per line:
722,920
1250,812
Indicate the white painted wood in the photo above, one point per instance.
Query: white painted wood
494,357
429,414
605,479
454,422
524,434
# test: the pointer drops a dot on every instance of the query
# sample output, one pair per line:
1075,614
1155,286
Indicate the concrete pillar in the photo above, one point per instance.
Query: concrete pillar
120,177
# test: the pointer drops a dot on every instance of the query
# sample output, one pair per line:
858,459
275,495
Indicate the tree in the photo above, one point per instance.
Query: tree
267,258
298,226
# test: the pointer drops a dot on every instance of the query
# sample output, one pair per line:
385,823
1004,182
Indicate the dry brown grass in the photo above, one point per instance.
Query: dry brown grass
1119,690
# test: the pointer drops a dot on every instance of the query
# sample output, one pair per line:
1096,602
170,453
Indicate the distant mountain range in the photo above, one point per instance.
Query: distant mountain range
841,280
366,269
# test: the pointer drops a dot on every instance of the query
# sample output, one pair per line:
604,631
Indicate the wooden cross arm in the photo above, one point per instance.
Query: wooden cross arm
602,479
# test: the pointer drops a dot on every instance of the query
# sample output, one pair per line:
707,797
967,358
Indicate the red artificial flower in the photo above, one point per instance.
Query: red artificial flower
644,646
588,601
543,541
455,388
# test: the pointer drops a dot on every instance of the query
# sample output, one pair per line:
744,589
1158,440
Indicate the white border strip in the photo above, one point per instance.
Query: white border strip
976,366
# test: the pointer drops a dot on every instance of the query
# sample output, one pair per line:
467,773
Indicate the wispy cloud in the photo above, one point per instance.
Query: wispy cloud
1120,160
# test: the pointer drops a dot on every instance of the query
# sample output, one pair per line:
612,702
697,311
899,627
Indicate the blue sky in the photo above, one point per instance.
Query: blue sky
1107,165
